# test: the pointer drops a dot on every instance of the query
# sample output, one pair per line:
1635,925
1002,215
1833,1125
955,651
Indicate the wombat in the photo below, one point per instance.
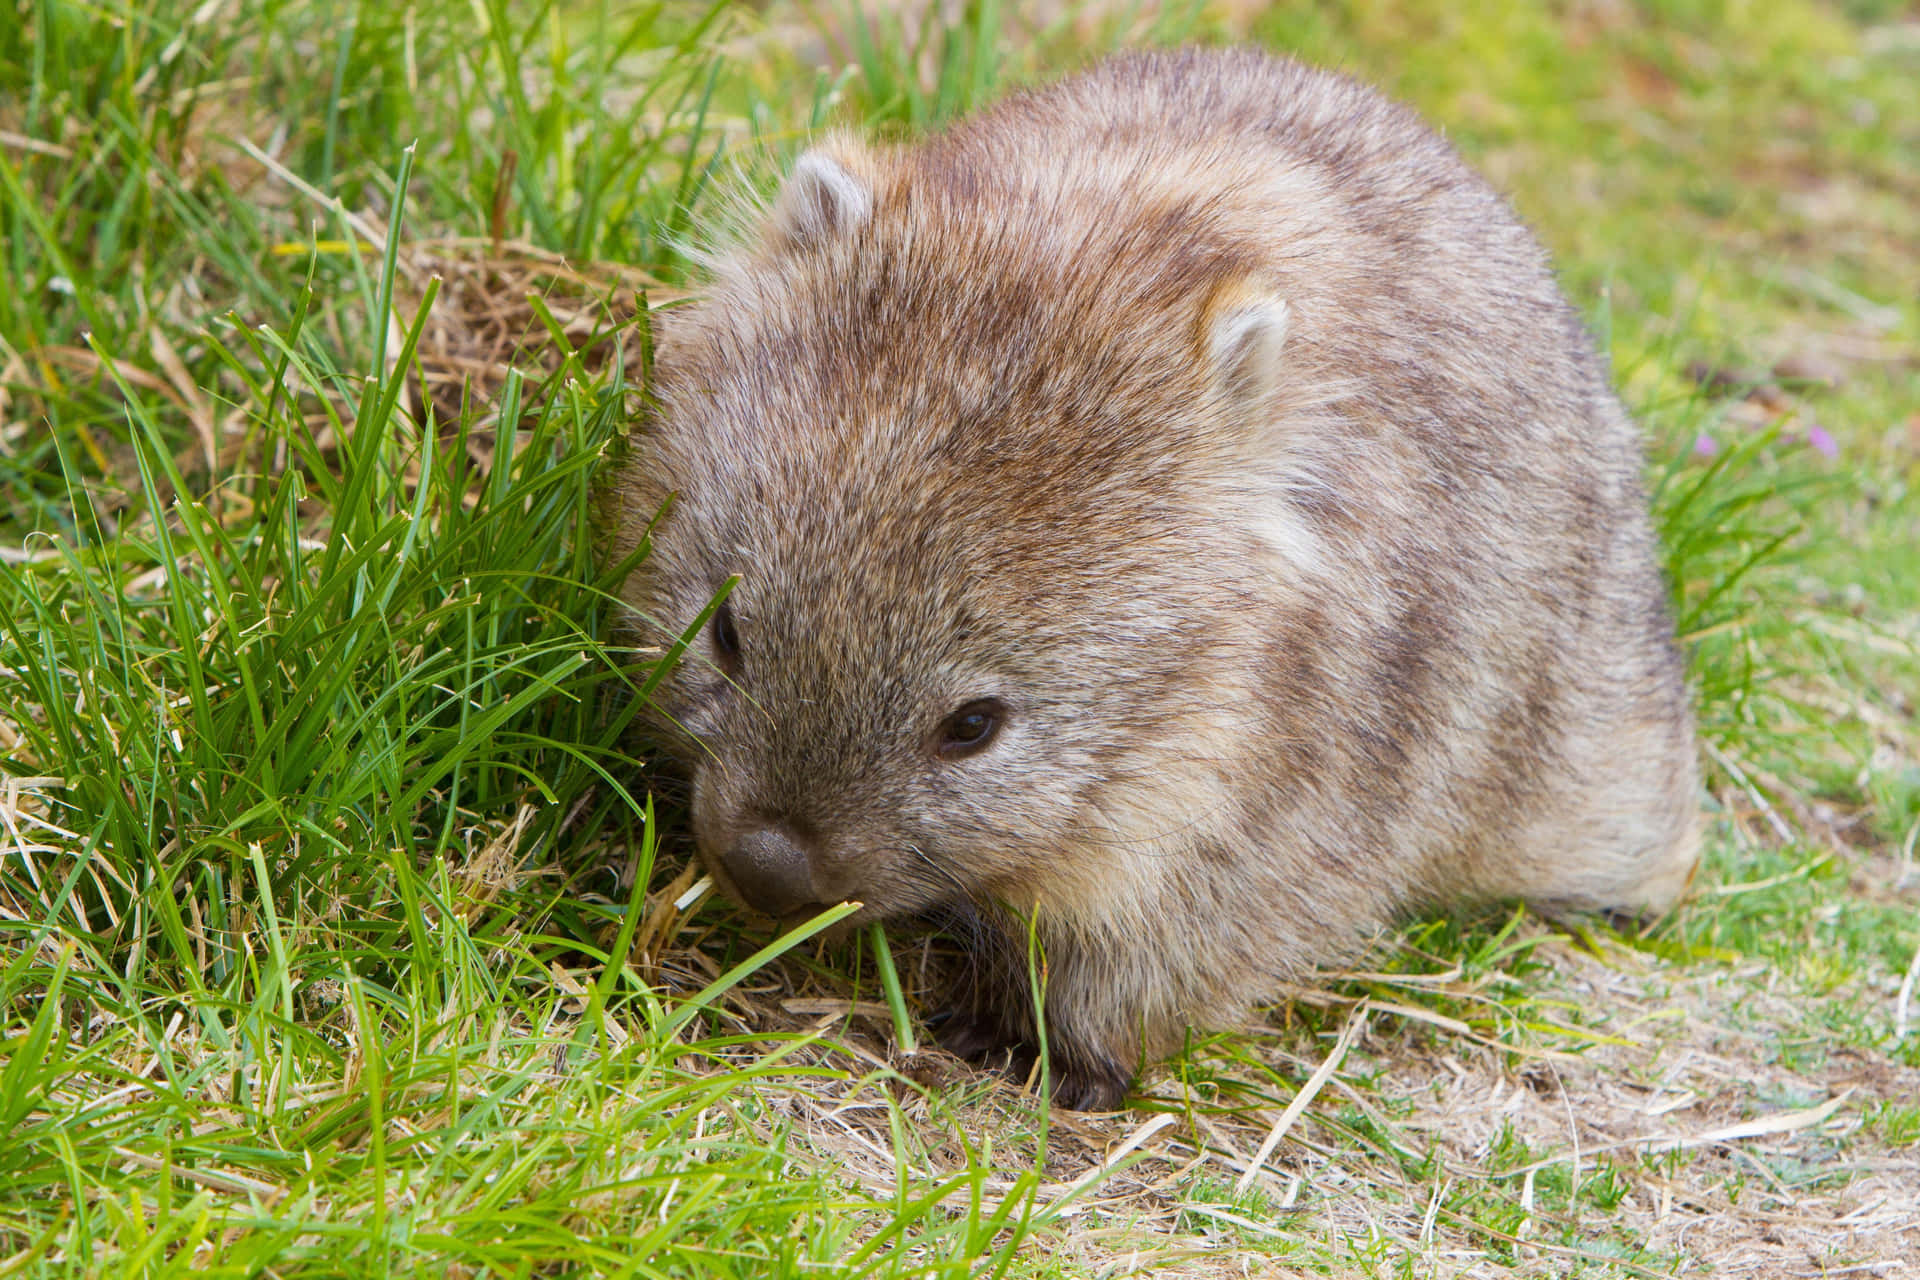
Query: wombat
1174,512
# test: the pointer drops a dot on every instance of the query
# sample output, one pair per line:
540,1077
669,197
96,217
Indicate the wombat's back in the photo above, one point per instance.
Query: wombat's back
1206,435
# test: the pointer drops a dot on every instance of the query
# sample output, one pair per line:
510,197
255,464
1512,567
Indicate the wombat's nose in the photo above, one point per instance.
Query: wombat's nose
772,871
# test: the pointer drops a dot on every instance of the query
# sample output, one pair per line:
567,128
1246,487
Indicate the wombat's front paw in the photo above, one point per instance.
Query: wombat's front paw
1099,1088
1078,1086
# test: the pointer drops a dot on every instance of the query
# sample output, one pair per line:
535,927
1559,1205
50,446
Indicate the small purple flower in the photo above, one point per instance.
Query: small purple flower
1818,437
1704,446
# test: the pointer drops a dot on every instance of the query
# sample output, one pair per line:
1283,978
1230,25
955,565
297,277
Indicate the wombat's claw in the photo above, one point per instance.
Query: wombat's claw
1098,1090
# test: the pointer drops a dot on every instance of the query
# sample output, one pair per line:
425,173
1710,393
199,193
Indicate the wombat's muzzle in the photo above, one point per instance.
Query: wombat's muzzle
772,871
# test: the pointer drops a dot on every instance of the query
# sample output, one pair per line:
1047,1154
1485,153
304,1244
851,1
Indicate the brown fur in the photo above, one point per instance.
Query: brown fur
1211,415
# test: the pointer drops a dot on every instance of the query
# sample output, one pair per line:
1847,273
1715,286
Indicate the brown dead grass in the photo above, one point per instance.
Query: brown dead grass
1730,1158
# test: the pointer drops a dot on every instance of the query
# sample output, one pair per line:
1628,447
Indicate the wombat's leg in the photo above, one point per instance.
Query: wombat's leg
990,1019
986,1015
1092,1032
1086,1076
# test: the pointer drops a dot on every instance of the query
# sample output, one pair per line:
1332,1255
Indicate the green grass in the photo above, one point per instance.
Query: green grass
338,932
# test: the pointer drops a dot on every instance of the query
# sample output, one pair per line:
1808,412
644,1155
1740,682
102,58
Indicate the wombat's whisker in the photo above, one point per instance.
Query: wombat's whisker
942,874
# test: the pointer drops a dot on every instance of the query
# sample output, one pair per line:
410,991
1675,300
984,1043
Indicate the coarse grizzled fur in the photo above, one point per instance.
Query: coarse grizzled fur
1177,508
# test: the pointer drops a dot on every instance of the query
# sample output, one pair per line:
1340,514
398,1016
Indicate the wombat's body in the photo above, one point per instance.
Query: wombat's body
1178,506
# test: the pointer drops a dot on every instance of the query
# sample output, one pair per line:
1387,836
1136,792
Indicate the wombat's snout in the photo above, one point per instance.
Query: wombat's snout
772,870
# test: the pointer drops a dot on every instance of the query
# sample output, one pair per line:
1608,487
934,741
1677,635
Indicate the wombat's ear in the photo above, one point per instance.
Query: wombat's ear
1245,327
828,196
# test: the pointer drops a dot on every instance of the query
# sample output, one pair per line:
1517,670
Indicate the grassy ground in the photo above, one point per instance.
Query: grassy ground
336,932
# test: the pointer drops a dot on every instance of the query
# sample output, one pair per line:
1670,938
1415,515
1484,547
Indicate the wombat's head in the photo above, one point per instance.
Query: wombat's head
982,479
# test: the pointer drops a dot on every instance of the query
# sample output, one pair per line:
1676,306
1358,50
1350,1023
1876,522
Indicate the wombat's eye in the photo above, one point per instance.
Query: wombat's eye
970,728
726,640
